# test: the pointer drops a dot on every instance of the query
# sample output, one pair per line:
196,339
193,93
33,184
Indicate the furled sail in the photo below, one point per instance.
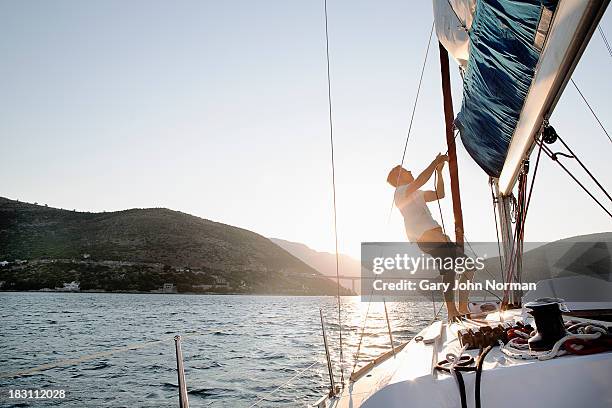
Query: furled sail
512,58
500,67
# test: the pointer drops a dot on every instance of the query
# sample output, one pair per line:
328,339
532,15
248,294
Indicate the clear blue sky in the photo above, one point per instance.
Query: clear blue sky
218,109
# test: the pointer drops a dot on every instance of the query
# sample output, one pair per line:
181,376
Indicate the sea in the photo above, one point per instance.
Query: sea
118,350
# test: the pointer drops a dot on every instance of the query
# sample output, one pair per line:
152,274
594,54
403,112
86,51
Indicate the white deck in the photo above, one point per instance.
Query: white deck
409,380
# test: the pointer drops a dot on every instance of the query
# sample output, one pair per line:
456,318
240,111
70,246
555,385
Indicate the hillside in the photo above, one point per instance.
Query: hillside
170,239
324,262
584,255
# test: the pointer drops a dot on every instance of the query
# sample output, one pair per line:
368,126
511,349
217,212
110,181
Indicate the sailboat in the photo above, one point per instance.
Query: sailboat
515,59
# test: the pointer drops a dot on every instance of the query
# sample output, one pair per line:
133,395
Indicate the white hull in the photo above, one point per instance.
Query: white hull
410,380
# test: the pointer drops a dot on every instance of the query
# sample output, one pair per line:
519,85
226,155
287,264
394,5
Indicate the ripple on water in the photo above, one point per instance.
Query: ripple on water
256,344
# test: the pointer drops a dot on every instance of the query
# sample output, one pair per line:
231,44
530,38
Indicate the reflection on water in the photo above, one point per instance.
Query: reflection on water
236,348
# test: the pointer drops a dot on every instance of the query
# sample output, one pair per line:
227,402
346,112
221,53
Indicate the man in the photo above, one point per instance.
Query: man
422,228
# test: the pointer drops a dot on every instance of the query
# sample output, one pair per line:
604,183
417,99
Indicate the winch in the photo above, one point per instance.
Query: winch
548,321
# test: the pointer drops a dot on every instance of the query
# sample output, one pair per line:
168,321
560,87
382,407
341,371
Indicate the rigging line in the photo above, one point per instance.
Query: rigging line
591,109
605,40
535,172
94,356
454,138
389,327
461,23
416,100
436,314
501,265
333,169
550,154
365,320
263,398
585,168
485,268
438,200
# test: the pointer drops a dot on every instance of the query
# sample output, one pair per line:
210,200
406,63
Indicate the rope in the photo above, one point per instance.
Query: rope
605,40
524,199
438,200
433,299
456,362
479,363
550,154
461,22
333,168
515,257
282,385
535,172
389,327
591,109
555,351
436,314
365,320
416,100
93,356
585,168
465,239
494,201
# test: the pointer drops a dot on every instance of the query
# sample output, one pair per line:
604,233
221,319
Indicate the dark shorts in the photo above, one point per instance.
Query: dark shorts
442,251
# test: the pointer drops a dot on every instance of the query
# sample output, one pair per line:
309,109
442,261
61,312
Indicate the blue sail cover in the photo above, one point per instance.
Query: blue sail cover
496,82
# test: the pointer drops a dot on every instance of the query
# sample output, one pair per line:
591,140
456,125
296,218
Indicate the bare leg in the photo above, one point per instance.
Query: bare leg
449,295
437,237
464,294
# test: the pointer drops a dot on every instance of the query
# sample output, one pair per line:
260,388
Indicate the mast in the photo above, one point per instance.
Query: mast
449,118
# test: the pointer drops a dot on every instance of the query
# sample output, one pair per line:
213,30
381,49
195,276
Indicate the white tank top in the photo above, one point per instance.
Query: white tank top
417,218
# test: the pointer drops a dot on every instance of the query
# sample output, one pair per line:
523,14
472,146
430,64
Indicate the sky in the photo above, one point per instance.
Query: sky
219,109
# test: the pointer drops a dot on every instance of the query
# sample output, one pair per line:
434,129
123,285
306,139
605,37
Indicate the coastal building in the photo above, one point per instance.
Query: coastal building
169,288
221,282
69,287
202,287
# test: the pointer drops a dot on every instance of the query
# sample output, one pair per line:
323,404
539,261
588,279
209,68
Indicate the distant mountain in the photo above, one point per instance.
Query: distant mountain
583,255
174,240
324,262
587,255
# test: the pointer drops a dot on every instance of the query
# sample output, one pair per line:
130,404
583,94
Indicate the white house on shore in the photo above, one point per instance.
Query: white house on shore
70,287
169,288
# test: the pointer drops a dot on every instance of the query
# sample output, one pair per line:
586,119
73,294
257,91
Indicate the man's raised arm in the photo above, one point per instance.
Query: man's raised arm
438,193
426,174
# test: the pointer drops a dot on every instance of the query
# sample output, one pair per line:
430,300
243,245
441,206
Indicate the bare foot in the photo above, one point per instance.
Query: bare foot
464,309
454,318
453,313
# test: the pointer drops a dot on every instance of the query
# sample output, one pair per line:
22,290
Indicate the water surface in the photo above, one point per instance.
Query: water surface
236,349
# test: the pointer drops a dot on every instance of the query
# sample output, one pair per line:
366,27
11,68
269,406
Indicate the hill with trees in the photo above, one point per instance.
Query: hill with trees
143,248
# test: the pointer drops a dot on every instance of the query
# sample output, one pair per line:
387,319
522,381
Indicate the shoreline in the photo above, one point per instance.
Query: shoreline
181,293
